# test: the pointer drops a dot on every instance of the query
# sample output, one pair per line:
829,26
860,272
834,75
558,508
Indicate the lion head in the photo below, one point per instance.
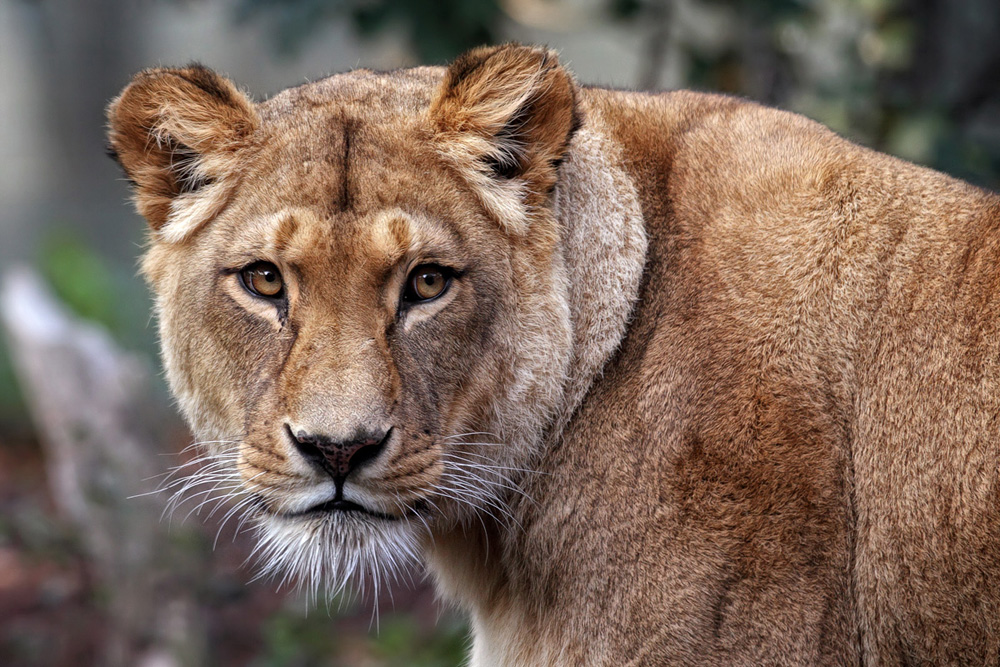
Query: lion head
362,292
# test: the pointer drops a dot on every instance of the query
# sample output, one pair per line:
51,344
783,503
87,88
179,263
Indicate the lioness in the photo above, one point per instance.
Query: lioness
643,379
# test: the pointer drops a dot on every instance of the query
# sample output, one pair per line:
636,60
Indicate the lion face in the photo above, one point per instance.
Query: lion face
360,290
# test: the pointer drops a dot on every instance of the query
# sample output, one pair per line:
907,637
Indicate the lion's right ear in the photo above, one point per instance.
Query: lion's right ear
178,134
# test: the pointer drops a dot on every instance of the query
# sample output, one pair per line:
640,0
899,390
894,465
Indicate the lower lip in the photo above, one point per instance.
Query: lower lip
344,506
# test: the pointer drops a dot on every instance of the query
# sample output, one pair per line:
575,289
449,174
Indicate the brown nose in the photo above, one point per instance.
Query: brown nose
340,458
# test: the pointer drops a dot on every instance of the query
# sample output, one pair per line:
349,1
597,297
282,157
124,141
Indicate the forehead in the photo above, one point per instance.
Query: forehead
345,165
350,143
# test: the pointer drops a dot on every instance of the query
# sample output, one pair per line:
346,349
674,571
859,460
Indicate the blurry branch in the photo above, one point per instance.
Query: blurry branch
90,403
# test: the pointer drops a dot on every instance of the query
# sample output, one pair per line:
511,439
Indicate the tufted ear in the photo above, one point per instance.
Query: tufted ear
178,134
504,116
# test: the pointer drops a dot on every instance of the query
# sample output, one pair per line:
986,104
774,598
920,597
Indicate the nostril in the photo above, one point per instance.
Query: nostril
362,450
307,447
366,453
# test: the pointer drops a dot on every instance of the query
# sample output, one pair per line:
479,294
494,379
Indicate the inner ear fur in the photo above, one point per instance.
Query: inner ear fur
505,116
177,133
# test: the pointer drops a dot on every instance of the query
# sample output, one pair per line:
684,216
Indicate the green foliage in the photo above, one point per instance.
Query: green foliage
625,9
437,30
97,289
81,279
402,643
301,639
291,640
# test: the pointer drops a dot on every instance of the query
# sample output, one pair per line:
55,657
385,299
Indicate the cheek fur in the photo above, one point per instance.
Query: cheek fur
217,373
441,362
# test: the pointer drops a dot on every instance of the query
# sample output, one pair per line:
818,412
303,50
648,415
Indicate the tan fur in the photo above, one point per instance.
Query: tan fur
711,384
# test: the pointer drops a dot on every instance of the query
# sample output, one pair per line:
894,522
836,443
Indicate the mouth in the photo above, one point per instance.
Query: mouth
340,505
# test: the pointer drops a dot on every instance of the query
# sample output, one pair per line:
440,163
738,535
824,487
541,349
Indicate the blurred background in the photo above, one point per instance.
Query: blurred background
89,574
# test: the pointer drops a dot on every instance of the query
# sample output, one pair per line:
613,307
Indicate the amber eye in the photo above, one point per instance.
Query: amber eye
263,279
426,282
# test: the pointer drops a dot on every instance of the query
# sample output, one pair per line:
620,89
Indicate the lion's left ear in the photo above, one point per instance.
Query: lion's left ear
505,115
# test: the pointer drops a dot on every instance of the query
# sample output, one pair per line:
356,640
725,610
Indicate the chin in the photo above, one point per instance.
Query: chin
331,552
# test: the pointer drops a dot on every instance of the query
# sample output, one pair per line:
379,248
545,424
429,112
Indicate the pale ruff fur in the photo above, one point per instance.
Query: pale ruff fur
604,248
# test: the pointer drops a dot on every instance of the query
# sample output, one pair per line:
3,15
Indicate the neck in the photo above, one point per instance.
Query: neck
604,246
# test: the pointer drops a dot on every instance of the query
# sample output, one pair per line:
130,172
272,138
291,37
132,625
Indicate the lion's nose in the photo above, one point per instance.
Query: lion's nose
339,458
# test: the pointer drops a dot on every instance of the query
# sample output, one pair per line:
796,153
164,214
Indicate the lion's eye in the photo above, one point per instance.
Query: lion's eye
263,279
426,282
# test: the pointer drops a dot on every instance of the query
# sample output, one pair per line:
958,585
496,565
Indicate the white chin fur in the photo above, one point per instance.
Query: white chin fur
334,552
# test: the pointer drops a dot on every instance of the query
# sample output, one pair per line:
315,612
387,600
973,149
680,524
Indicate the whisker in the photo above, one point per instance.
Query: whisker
202,443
